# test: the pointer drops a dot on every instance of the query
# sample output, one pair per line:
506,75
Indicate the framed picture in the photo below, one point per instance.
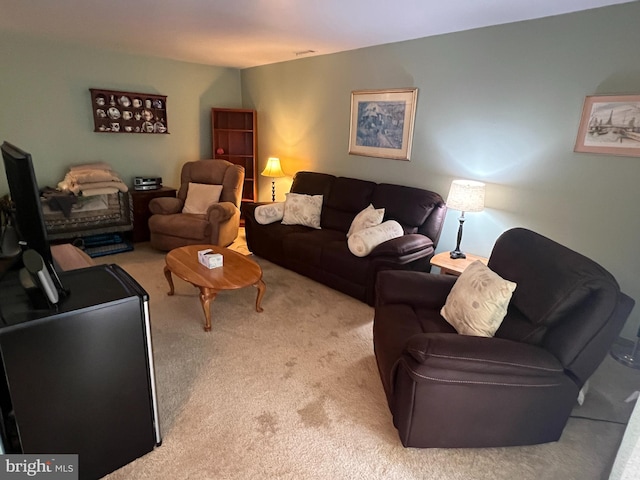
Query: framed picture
382,122
610,125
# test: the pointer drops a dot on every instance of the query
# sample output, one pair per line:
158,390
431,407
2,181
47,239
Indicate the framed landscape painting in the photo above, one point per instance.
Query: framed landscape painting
610,125
382,122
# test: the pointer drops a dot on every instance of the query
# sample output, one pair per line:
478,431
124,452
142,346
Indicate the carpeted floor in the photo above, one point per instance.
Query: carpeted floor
294,393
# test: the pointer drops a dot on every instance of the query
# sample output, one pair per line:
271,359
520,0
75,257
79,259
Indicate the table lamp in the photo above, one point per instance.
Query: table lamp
466,196
274,171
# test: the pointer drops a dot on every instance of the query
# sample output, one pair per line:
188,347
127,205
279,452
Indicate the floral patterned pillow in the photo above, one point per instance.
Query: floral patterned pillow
478,301
369,217
301,209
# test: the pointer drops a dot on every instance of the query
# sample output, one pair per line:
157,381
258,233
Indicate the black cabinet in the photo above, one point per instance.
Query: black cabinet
80,379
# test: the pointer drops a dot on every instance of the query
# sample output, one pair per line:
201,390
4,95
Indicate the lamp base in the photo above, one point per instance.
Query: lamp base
626,352
457,254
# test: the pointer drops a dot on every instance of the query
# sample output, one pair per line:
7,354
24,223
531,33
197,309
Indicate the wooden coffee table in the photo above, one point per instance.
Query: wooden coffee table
237,271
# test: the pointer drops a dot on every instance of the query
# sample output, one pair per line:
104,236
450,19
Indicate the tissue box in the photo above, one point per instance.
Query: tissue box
210,259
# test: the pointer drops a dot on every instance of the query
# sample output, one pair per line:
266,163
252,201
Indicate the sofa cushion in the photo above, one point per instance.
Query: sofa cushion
301,209
312,183
408,206
338,261
200,196
369,217
348,196
183,225
306,246
478,301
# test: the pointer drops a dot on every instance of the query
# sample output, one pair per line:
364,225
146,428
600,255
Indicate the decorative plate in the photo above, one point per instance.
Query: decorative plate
113,113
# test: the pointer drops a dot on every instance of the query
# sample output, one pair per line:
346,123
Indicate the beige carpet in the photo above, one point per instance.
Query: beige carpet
293,393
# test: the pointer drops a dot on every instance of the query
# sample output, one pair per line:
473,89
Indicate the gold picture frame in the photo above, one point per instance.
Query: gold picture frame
382,123
610,125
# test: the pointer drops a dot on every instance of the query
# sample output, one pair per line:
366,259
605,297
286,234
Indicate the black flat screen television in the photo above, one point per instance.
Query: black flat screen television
25,195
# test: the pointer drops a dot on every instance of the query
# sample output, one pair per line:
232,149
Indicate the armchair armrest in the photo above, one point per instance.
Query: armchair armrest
165,205
221,212
404,245
451,357
413,288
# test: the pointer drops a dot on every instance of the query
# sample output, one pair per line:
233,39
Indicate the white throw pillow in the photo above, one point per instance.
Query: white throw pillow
265,214
369,217
301,209
363,242
478,301
200,196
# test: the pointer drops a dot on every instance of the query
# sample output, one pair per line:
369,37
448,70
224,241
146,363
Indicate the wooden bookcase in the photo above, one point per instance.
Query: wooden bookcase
234,134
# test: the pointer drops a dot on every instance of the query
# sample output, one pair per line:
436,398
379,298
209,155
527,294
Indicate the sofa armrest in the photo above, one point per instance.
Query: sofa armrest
405,245
451,357
221,212
165,205
418,289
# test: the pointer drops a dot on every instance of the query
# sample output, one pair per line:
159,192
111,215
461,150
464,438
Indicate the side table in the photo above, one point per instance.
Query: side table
454,266
141,213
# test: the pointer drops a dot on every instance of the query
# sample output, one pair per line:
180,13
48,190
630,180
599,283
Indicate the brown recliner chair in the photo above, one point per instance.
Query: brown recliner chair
517,388
170,228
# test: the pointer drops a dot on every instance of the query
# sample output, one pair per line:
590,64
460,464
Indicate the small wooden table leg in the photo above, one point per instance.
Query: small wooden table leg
207,295
167,275
261,289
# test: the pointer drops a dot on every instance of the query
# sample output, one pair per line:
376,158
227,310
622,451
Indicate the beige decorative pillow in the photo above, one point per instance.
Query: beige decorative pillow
478,301
364,241
301,209
265,214
369,217
200,196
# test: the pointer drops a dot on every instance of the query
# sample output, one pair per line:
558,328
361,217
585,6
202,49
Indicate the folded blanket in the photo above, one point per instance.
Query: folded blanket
88,178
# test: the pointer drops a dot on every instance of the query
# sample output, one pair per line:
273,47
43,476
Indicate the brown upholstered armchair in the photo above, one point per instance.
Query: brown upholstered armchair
171,228
516,388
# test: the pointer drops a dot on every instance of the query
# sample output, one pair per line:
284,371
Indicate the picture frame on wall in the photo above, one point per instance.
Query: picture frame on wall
610,125
382,123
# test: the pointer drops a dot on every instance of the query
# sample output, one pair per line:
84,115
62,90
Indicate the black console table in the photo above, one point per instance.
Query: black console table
80,378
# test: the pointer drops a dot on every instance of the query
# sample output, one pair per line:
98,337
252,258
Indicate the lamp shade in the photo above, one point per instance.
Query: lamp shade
466,196
273,168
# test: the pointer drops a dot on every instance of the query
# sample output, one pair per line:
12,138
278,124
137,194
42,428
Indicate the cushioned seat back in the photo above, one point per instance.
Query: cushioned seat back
214,172
312,183
563,301
416,209
347,198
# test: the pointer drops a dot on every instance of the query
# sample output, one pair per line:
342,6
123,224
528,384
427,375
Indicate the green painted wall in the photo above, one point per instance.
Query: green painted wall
45,107
500,105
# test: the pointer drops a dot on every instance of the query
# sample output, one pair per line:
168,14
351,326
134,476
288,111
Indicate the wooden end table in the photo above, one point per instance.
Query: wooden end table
454,266
237,271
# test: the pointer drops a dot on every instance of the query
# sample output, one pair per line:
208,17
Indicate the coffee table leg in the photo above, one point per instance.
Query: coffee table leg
261,289
207,295
167,275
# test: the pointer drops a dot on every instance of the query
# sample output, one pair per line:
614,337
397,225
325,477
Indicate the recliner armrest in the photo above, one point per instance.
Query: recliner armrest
418,289
165,205
404,245
451,357
220,212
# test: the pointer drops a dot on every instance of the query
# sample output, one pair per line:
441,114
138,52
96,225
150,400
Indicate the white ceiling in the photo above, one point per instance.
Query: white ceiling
247,33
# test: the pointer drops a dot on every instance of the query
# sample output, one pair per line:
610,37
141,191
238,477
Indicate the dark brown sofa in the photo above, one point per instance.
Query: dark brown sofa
324,256
517,388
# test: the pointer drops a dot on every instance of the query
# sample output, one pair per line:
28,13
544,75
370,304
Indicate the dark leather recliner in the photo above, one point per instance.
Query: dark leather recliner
517,388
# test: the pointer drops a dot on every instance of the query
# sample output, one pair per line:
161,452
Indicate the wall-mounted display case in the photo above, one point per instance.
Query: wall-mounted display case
128,112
